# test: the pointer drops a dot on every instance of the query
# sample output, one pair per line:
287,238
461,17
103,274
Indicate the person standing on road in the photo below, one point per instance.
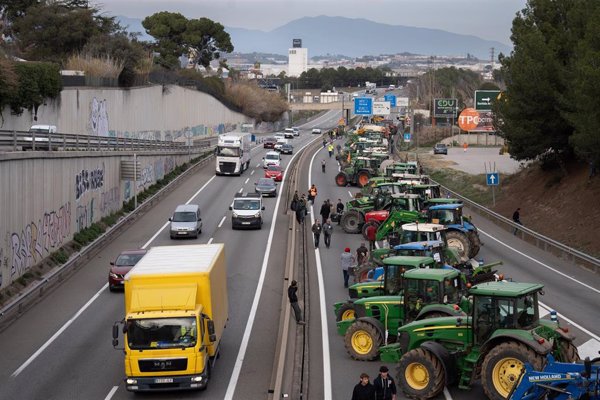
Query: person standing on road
347,260
312,193
330,149
325,210
292,289
363,390
316,230
301,210
327,232
362,254
295,201
465,147
385,387
339,209
517,219
324,142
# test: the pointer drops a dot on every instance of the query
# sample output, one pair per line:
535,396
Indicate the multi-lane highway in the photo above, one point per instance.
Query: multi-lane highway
61,348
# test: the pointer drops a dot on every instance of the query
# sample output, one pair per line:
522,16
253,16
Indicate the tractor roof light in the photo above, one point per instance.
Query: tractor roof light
541,340
565,329
469,285
456,307
500,277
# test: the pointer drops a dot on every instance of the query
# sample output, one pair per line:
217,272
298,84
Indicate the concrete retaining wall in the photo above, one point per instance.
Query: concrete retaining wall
48,197
154,112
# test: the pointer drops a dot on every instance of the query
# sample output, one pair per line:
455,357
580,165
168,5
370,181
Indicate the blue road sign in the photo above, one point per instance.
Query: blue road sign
391,98
492,178
407,136
363,106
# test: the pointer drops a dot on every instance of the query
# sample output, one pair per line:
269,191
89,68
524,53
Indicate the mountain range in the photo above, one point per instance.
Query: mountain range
353,37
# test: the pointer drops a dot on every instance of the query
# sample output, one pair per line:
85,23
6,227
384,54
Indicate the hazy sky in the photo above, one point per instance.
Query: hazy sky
487,19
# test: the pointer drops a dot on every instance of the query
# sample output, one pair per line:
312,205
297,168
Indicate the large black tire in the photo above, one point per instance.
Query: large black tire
369,230
569,352
341,179
460,241
362,341
352,221
475,244
362,178
502,367
420,374
348,311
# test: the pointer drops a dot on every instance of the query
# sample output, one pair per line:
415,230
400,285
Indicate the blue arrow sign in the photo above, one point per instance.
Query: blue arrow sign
493,178
363,106
407,137
391,98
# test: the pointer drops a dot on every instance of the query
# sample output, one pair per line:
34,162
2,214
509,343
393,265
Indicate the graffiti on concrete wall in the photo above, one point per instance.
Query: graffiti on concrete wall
98,118
146,176
36,241
109,201
88,180
170,135
84,215
169,164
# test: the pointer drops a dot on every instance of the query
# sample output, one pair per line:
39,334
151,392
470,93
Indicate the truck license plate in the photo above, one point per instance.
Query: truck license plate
163,380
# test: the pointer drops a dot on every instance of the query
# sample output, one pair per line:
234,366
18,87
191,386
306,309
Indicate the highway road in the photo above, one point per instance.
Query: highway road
61,348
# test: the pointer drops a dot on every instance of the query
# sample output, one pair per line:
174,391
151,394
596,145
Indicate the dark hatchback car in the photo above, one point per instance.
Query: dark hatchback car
266,187
121,266
440,148
286,149
269,143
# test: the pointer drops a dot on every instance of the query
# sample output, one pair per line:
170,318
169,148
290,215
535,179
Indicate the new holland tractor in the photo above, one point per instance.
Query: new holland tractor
420,294
461,233
501,333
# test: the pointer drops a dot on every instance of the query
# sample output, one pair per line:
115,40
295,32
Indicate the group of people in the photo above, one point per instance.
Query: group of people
382,388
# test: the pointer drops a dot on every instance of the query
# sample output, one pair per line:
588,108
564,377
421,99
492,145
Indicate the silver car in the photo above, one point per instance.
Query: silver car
186,221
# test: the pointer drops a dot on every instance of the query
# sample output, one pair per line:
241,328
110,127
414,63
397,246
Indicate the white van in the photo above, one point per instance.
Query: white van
280,142
186,221
288,133
271,158
279,135
247,211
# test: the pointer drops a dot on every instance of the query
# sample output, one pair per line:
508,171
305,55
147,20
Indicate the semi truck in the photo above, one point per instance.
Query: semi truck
175,314
233,153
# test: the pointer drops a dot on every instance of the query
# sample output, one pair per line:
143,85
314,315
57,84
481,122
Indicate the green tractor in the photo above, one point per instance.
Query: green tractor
422,293
358,172
493,343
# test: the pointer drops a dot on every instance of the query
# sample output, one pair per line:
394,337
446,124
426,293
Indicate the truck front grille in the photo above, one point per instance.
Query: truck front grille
227,167
167,364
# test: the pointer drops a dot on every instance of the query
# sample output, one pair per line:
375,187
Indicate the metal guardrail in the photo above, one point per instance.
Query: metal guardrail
540,241
37,141
38,289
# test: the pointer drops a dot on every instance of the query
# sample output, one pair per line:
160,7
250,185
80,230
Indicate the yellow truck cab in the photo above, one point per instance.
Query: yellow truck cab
175,314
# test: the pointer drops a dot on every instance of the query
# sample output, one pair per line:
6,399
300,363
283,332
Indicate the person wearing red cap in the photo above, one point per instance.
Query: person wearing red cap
346,260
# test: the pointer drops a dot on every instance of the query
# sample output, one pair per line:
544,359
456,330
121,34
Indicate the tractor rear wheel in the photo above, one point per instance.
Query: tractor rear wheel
347,311
362,341
352,221
475,244
362,179
569,352
502,367
369,230
420,374
460,242
341,179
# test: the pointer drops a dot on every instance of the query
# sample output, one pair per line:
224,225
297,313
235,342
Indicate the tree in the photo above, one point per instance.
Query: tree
207,39
168,29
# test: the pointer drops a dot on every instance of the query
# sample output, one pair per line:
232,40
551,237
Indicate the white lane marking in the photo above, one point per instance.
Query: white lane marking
252,172
241,190
350,194
447,394
111,393
239,361
59,332
541,263
589,349
167,223
543,312
257,165
323,307
339,167
223,220
560,316
209,241
246,181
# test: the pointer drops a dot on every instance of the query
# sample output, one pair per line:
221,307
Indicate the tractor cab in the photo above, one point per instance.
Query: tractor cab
413,179
430,286
416,232
426,191
462,234
440,200
431,248
446,214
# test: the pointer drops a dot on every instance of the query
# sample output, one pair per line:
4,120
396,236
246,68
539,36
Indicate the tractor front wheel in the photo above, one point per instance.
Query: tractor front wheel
369,230
420,374
352,221
362,179
569,352
341,179
346,312
460,242
475,244
502,367
362,341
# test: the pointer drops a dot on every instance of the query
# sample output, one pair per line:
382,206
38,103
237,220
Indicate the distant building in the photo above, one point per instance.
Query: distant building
297,59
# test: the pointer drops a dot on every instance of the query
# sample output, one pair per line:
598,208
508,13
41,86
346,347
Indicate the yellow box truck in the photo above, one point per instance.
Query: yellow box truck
175,313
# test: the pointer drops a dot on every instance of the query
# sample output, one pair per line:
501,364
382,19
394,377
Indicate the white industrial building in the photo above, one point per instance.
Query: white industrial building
297,59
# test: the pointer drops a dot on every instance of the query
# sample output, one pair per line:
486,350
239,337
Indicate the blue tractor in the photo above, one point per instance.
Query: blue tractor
461,233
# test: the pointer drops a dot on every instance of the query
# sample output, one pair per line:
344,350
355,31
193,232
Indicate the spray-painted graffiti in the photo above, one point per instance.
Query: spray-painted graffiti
98,118
36,240
170,135
159,169
109,200
88,180
84,215
169,165
146,176
127,191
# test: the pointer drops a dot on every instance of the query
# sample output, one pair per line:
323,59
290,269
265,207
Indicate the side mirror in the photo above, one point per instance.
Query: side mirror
230,207
211,331
115,331
255,183
199,219
459,321
112,263
263,208
170,219
263,158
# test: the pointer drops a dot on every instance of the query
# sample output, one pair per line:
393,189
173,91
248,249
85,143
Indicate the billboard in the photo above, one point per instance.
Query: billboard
381,108
296,43
445,108
471,120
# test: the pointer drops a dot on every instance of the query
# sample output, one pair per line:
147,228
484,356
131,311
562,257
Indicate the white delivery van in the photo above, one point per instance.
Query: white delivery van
271,158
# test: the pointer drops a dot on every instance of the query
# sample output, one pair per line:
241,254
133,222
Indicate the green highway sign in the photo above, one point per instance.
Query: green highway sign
485,98
445,108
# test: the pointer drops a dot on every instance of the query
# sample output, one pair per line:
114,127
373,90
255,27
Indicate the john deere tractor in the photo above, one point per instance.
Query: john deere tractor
422,293
357,172
461,233
501,333
405,208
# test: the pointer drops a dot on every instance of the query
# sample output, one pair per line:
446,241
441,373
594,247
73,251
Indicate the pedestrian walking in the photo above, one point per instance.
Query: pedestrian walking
324,142
338,148
363,390
316,230
339,209
362,254
325,211
385,387
295,201
323,165
293,297
517,219
312,193
330,149
347,260
327,232
465,147
301,210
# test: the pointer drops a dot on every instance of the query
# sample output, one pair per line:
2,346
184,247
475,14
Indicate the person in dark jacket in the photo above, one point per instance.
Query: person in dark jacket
316,230
363,390
339,209
517,218
327,232
301,210
293,297
385,387
325,211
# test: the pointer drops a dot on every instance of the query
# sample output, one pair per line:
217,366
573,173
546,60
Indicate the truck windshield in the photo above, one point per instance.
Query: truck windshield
186,216
161,333
246,204
228,151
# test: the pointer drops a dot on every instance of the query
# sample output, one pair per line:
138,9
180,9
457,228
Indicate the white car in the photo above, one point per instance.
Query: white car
316,131
288,133
296,130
